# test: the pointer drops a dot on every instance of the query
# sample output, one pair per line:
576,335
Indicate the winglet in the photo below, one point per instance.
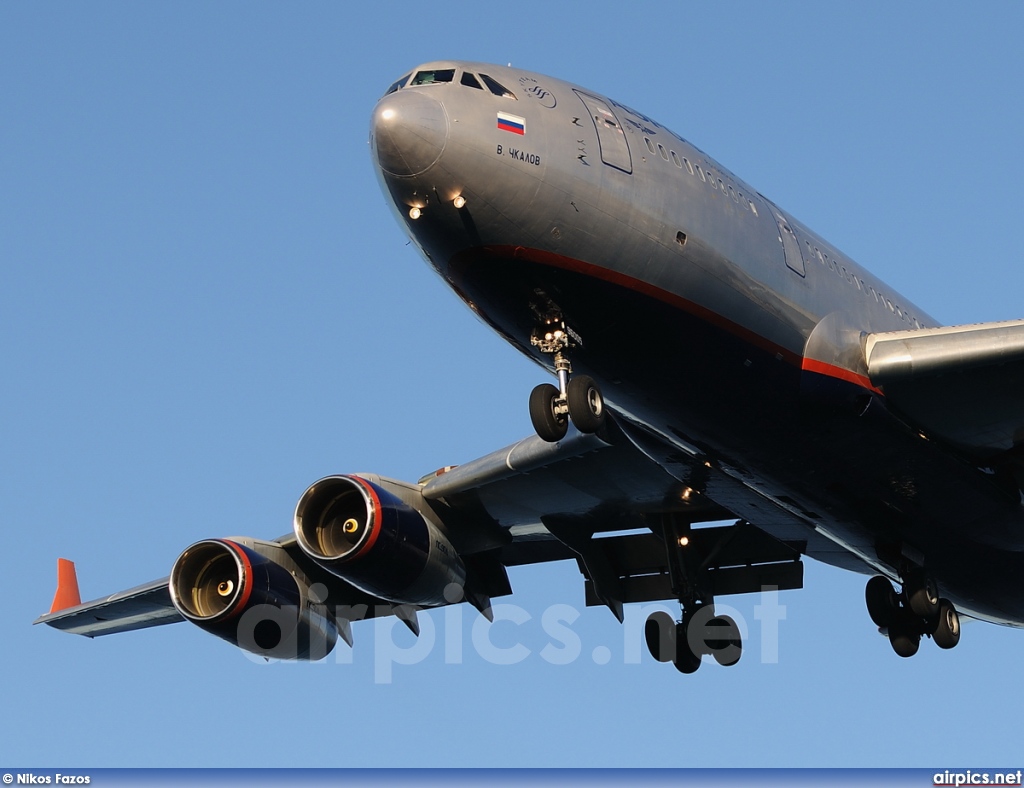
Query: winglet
67,587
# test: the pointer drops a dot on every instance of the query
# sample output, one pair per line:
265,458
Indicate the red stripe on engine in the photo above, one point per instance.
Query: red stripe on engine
246,579
377,514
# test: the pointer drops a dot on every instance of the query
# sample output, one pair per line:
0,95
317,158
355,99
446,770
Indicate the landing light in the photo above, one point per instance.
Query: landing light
414,213
459,201
683,541
388,114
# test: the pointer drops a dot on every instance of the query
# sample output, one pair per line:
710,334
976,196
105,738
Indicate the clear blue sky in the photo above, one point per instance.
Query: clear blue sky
205,305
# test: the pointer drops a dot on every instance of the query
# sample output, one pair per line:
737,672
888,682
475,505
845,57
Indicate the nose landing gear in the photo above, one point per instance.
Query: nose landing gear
577,398
914,612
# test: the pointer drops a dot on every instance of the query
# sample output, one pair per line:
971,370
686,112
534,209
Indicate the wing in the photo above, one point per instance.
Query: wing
148,605
964,384
535,502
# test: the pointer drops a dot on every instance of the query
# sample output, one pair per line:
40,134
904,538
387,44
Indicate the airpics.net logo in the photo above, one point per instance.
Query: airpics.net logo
553,634
956,779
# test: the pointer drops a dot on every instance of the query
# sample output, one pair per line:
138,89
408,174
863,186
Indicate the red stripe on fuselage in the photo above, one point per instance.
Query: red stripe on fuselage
638,285
821,368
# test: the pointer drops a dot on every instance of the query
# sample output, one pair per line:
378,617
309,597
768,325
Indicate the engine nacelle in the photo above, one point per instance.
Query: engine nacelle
251,600
369,537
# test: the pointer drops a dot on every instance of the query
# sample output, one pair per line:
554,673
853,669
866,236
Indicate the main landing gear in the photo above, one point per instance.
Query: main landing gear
577,398
699,631
915,611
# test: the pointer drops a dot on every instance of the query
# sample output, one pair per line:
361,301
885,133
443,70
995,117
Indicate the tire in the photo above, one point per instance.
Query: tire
547,424
923,596
728,648
881,600
947,629
685,660
660,634
586,405
903,641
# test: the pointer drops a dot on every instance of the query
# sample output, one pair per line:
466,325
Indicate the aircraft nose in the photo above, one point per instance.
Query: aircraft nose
410,130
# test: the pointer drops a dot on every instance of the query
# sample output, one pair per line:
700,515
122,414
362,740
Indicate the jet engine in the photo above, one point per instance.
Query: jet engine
243,595
370,538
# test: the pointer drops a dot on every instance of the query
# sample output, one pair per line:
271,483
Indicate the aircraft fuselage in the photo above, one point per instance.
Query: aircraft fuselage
719,327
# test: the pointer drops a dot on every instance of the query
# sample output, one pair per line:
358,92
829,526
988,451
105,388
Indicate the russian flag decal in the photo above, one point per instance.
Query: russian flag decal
513,123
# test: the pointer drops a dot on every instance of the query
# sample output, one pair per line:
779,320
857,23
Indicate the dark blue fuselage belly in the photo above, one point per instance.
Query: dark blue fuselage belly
828,448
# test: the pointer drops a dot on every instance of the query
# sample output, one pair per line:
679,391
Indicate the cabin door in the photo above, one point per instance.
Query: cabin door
610,134
790,244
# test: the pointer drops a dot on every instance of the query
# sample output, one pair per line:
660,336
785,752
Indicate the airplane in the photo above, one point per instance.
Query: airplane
715,361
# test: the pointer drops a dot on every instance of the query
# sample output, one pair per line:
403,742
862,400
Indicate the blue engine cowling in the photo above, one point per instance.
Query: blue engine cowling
367,536
249,599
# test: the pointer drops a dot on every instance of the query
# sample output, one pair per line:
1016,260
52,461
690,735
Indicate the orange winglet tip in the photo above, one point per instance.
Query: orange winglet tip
67,587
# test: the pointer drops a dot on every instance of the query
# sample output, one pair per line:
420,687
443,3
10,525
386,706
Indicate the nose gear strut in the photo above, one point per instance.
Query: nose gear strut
577,398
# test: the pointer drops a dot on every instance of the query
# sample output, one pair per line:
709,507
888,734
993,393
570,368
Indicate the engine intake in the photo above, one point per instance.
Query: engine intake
251,600
369,537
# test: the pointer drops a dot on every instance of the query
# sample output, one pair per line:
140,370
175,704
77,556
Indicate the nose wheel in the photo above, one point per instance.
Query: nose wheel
549,415
576,398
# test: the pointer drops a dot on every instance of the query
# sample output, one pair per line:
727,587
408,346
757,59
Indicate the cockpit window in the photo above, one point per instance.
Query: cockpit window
497,88
432,76
397,85
470,81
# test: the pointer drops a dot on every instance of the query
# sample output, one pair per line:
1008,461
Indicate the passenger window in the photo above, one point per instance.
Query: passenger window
431,77
497,88
650,145
470,81
675,160
662,151
688,165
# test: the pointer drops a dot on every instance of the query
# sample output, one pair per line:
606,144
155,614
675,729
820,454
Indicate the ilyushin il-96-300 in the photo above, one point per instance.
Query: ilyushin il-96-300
731,394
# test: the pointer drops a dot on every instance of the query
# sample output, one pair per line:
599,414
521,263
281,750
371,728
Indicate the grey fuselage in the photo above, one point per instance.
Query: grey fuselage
724,333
